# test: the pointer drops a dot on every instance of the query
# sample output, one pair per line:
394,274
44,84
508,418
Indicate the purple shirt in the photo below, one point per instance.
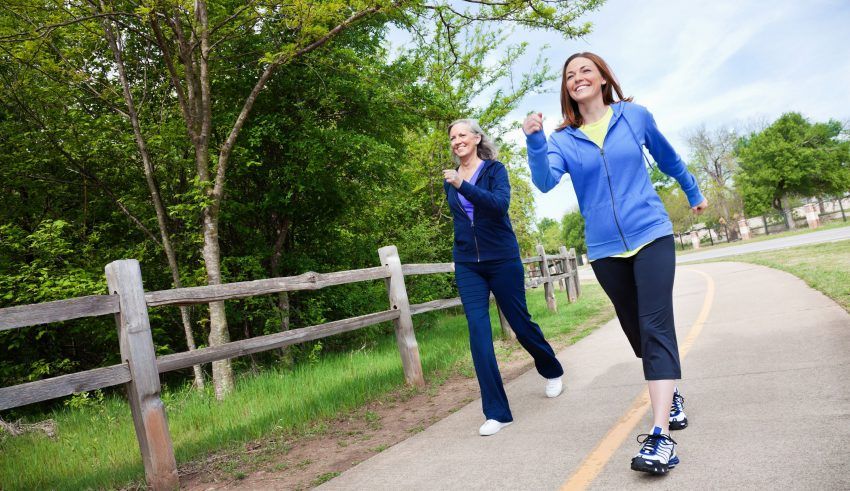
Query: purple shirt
467,206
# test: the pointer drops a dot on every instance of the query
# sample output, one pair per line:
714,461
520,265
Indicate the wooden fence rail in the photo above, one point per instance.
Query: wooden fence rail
141,368
60,310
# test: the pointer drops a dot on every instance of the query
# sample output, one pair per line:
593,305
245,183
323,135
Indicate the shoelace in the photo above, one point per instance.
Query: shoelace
651,441
678,402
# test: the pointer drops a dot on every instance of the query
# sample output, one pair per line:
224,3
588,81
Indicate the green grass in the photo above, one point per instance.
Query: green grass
96,447
758,238
825,267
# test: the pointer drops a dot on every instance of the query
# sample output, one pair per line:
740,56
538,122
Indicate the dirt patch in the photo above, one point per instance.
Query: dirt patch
331,447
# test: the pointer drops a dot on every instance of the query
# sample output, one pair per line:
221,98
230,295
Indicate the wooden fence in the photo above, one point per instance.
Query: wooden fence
141,367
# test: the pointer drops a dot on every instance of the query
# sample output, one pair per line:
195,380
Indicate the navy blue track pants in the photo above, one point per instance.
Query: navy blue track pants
505,278
641,289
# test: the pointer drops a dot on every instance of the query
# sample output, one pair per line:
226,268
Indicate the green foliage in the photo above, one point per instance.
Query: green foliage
340,155
549,235
678,208
41,266
661,180
572,227
85,400
522,198
792,157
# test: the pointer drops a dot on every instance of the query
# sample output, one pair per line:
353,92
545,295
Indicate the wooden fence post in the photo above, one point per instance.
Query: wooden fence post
574,262
563,269
560,269
405,338
548,286
571,272
124,278
508,333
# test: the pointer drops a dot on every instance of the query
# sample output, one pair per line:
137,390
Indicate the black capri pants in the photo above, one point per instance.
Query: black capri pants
641,289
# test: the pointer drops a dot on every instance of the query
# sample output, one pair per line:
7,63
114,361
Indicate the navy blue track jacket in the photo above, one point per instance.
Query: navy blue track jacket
489,235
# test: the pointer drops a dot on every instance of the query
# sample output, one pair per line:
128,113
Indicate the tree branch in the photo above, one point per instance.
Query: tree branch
175,78
230,18
44,31
147,165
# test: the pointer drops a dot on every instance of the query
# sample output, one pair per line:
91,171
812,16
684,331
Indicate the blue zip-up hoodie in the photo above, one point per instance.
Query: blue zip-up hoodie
620,207
489,235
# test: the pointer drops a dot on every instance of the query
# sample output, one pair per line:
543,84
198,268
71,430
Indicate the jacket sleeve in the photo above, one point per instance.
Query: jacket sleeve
545,160
498,199
669,161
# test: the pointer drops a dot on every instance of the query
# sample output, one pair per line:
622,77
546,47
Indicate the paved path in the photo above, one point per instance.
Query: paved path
832,235
767,388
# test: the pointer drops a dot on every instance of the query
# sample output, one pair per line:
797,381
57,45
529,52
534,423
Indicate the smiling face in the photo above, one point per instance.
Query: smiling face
584,81
464,142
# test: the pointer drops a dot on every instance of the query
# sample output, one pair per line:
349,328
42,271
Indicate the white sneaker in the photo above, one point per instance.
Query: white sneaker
554,387
491,427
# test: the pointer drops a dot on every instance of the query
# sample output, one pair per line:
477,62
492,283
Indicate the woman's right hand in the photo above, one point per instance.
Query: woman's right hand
533,123
452,177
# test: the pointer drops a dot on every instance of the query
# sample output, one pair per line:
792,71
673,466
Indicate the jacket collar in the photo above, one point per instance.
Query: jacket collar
616,107
485,164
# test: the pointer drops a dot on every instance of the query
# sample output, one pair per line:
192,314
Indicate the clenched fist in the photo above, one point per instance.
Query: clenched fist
452,177
533,123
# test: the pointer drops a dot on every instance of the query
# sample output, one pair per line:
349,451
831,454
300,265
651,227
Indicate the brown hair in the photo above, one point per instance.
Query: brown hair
569,107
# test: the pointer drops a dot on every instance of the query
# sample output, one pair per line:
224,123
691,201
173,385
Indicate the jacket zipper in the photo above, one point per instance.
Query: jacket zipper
613,204
475,239
471,222
614,118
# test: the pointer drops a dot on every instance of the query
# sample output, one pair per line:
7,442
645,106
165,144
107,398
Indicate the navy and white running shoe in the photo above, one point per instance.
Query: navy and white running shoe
657,454
678,420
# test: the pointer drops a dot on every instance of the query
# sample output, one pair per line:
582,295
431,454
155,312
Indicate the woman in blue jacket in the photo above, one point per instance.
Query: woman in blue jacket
486,256
628,233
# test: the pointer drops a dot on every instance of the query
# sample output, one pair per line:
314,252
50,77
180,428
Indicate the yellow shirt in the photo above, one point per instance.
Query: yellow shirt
596,132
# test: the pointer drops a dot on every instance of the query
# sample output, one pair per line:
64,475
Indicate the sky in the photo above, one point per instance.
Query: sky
714,63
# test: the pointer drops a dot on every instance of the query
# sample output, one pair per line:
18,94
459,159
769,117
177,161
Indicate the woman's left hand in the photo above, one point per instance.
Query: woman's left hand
452,177
698,209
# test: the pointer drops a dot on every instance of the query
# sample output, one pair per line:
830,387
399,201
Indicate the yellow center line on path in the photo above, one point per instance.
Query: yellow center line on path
599,456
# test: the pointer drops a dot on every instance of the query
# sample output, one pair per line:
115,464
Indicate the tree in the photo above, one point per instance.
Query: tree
179,60
792,158
549,235
572,227
522,198
678,209
713,157
675,201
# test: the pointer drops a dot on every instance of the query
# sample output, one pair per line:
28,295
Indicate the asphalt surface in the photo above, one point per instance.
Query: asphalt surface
832,235
766,366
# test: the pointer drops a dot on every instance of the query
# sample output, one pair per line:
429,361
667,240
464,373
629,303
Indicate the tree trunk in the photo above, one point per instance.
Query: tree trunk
789,215
282,297
153,188
277,253
196,106
731,234
219,334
